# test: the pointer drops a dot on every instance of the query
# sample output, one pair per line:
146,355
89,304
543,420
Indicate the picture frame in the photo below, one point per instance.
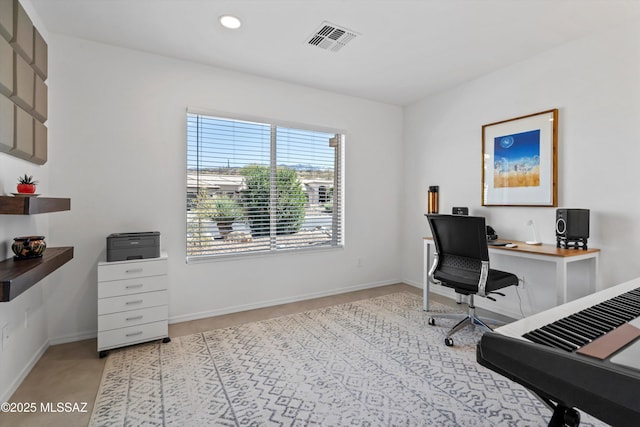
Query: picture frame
520,161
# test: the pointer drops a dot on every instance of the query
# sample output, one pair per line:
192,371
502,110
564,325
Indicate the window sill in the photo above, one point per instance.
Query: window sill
258,254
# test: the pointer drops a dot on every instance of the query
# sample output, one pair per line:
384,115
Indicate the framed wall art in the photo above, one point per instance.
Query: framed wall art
520,161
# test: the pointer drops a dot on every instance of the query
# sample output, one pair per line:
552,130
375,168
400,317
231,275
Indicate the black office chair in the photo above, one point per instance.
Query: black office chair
462,263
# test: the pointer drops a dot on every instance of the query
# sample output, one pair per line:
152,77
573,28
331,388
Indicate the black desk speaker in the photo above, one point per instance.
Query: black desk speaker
572,227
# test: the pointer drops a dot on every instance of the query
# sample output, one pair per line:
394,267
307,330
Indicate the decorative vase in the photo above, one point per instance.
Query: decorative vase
26,188
28,247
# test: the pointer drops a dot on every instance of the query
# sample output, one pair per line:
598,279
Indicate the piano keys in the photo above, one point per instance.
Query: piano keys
583,354
573,332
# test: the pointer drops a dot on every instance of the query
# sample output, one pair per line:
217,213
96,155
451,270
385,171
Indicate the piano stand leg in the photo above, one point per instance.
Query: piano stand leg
563,416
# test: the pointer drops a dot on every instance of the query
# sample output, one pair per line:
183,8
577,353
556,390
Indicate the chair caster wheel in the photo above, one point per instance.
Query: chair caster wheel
431,321
103,354
166,340
572,417
448,342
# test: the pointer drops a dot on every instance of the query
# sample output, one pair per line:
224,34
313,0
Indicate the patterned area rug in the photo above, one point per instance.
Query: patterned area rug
373,362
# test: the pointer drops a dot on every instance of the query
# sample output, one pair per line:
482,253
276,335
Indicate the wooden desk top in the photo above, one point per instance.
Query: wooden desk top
544,249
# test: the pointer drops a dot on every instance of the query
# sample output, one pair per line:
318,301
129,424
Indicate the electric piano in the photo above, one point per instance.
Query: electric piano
584,354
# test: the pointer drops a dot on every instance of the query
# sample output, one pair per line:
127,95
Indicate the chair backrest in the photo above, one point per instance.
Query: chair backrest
462,254
460,235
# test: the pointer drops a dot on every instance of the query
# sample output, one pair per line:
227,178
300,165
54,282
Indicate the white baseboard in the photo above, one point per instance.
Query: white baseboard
412,283
273,302
234,309
480,302
63,339
496,307
6,394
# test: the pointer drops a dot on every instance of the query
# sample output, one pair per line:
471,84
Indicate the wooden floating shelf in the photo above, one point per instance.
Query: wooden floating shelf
19,205
18,276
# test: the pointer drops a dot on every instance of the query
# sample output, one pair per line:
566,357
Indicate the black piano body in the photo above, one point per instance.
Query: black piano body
566,379
609,392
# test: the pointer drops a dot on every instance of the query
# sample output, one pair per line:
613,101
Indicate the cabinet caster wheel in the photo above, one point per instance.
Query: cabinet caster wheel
166,340
431,321
103,354
448,342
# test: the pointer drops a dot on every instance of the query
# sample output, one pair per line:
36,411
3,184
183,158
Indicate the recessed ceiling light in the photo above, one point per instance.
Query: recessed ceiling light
230,21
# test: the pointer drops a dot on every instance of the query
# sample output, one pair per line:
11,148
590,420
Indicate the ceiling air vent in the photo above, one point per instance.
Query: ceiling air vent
331,37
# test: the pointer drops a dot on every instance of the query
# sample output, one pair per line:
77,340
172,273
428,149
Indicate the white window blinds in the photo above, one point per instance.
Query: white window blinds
258,187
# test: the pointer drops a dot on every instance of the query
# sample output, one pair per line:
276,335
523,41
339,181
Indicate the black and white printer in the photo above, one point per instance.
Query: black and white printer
127,246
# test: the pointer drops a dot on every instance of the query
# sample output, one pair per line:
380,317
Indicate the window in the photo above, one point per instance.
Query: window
259,187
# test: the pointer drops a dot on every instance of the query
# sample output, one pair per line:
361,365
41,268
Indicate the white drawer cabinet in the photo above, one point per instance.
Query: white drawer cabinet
131,286
132,302
133,335
124,319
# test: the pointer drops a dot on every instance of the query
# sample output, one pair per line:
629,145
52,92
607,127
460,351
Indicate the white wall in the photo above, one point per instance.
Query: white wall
26,316
27,341
118,135
595,84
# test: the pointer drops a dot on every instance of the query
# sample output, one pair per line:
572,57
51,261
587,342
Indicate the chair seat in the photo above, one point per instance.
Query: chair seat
468,283
500,279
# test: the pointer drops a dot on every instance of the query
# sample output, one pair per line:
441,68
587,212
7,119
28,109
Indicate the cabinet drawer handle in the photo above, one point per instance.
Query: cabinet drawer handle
133,334
129,319
139,285
134,270
139,301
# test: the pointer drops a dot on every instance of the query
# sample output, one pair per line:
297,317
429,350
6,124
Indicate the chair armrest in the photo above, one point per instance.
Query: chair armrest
482,282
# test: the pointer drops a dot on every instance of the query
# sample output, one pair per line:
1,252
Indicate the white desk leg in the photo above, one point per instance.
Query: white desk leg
561,281
425,277
595,278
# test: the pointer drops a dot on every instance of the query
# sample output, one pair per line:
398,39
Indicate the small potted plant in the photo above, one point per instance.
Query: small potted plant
26,184
225,211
